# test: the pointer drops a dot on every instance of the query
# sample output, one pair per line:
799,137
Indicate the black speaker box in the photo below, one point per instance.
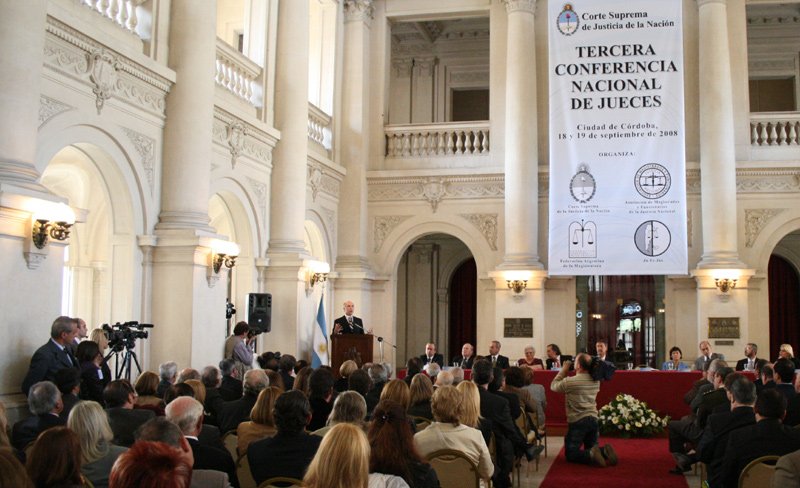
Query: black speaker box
259,311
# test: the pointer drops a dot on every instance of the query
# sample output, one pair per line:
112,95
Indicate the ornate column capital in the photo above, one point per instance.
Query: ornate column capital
520,6
701,3
358,10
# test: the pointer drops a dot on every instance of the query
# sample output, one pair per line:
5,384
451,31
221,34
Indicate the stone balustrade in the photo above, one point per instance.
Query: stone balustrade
775,129
121,12
237,73
319,126
442,139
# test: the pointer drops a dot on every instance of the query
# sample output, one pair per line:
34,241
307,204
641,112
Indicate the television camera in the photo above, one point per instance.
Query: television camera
122,337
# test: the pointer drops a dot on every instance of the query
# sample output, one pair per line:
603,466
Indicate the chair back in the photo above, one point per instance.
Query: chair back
281,481
758,473
454,469
243,473
420,423
231,442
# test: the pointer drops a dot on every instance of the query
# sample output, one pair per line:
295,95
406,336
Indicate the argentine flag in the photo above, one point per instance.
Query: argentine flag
320,355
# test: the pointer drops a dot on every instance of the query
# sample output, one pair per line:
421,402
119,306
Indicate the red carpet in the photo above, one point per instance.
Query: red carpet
642,462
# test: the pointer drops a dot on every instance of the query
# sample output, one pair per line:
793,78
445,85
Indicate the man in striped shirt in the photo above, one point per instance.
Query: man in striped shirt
581,391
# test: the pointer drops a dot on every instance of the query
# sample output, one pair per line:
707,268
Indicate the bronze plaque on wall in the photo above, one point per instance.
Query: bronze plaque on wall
723,327
518,327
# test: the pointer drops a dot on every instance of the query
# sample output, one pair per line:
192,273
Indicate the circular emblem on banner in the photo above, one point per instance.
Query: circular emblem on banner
652,238
582,186
652,181
567,21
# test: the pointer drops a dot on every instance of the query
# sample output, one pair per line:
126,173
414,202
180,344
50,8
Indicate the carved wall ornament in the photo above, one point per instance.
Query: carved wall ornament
103,68
458,186
434,190
358,10
241,138
260,191
520,5
146,147
755,220
314,180
236,136
383,226
487,225
50,107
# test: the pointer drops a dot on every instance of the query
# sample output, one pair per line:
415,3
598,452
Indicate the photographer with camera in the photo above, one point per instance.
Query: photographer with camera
240,347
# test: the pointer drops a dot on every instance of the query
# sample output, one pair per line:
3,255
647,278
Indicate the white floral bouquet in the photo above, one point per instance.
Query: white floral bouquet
628,417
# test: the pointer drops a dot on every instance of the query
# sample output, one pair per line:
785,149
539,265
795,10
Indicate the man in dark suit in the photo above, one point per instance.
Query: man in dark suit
68,382
379,377
120,397
291,450
766,379
187,414
467,356
706,356
431,356
231,387
231,414
711,448
160,429
348,323
508,439
750,361
44,402
168,374
767,437
54,355
495,357
784,377
554,357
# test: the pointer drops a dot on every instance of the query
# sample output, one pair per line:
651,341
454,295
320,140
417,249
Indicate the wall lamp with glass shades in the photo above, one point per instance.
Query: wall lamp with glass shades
317,272
51,222
517,281
223,252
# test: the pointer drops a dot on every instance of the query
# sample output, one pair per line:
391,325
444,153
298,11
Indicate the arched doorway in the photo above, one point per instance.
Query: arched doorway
462,293
784,306
425,275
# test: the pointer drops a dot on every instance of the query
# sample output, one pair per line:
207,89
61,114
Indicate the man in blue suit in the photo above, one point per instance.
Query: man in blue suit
53,356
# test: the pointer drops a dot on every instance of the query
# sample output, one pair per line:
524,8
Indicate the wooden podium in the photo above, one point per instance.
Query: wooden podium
350,346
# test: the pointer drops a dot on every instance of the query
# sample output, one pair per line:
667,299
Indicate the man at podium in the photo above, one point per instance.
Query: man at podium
348,323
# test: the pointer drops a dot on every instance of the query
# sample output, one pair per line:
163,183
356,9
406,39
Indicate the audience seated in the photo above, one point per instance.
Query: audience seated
146,388
12,472
420,392
445,378
176,391
168,373
432,370
345,370
300,364
787,471
93,382
262,421
343,460
447,432
161,430
321,396
301,380
349,407
496,387
90,423
188,374
44,402
233,413
470,413
537,392
764,378
231,387
288,452
784,377
120,396
393,450
151,465
458,375
212,379
379,378
767,437
55,459
275,379
413,367
397,391
514,383
187,414
286,367
68,381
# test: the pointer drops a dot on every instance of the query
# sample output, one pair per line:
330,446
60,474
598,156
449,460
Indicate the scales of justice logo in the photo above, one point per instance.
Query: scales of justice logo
652,181
583,239
582,186
567,21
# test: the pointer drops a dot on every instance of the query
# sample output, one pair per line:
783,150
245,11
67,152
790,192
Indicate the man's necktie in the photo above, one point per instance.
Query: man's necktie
494,360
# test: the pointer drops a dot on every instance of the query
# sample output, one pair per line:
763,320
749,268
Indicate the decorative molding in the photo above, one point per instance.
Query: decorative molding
469,77
754,180
103,73
402,66
320,179
755,220
237,132
383,226
487,225
358,10
241,138
330,221
34,259
520,6
260,191
689,225
760,64
146,147
409,188
425,65
314,180
50,107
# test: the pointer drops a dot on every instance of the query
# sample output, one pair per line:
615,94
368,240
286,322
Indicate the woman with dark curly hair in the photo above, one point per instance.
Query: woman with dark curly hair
393,450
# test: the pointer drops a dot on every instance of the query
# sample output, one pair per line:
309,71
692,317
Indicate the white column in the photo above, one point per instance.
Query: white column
22,34
521,132
353,139
717,149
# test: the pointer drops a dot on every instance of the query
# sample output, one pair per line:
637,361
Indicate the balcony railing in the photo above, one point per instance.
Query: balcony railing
237,74
121,12
319,126
444,139
775,129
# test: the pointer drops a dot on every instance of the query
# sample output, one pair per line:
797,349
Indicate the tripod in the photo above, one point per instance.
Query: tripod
128,358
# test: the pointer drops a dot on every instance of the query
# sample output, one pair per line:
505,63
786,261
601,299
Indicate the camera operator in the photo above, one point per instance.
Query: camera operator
239,346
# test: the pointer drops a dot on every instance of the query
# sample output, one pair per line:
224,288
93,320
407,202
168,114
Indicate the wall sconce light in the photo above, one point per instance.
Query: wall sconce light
517,281
724,285
317,273
223,252
51,222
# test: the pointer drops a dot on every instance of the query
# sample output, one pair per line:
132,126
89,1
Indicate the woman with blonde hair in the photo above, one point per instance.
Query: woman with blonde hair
342,461
90,422
98,335
397,391
421,391
786,352
470,414
345,370
262,422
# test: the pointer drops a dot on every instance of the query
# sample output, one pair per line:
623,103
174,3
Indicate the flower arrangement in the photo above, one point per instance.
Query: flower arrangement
628,417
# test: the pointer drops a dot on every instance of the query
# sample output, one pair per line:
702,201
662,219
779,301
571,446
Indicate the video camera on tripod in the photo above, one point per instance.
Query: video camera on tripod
123,335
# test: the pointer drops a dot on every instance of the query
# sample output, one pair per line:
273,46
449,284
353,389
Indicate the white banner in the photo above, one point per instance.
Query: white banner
617,159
